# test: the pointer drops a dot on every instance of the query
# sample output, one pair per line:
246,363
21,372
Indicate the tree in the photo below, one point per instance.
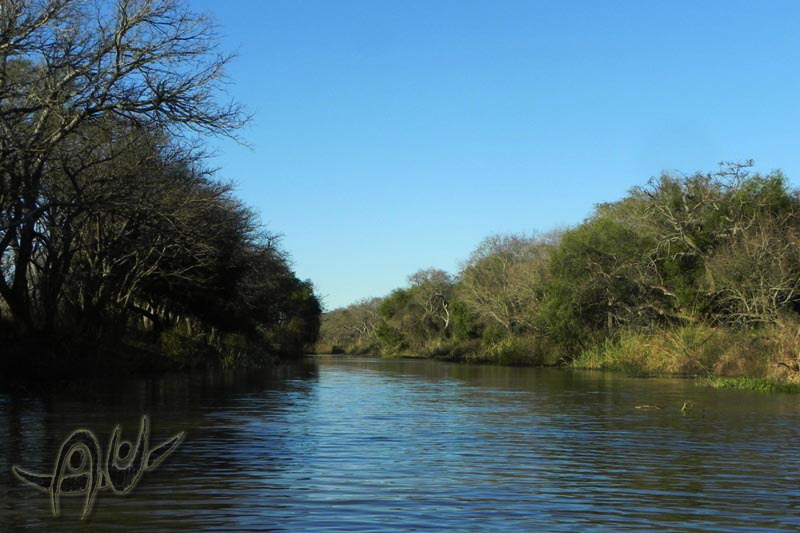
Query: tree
690,217
67,67
757,272
503,281
351,326
432,289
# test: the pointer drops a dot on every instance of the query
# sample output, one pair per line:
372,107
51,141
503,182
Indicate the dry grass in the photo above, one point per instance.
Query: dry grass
514,351
767,353
784,352
693,350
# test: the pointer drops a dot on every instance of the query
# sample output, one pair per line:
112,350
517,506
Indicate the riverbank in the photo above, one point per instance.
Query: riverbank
756,384
137,354
763,359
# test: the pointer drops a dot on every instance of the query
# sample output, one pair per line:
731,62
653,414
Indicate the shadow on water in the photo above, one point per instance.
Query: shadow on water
213,408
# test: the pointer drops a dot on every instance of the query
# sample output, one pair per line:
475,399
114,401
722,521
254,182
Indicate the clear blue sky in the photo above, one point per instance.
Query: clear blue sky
392,136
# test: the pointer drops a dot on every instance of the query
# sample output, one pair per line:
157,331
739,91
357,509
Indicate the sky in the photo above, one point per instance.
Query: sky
393,136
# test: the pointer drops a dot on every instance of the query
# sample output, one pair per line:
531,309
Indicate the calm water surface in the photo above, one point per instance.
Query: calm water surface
362,444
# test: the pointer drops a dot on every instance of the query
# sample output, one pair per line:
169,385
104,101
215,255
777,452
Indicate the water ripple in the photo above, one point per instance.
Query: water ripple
340,444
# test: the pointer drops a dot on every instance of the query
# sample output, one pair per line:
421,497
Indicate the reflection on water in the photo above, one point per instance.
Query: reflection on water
362,444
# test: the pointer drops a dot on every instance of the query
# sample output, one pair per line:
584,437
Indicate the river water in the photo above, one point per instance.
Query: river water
357,444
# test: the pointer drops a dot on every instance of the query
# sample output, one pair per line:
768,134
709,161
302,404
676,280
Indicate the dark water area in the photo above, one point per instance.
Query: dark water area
350,444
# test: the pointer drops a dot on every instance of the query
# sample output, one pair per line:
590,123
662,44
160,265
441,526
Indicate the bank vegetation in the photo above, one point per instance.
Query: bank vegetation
687,274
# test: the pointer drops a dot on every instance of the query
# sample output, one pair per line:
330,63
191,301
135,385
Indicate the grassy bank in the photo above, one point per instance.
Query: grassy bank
763,359
509,351
756,384
767,353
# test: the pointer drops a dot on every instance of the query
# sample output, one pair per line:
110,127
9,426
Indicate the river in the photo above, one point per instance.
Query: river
359,444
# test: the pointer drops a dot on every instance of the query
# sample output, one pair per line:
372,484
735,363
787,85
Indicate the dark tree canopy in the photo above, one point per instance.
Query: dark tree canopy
109,219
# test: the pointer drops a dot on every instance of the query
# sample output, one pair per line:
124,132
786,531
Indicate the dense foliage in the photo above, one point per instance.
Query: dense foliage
687,274
111,227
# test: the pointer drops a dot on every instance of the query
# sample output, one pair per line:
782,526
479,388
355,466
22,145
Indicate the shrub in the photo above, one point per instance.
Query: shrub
513,351
686,350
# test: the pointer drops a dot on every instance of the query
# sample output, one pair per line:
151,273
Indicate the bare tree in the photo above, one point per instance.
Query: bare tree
757,273
69,65
504,278
433,291
348,326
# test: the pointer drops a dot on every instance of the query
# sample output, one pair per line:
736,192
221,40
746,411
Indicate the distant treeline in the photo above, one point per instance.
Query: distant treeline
694,274
113,232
